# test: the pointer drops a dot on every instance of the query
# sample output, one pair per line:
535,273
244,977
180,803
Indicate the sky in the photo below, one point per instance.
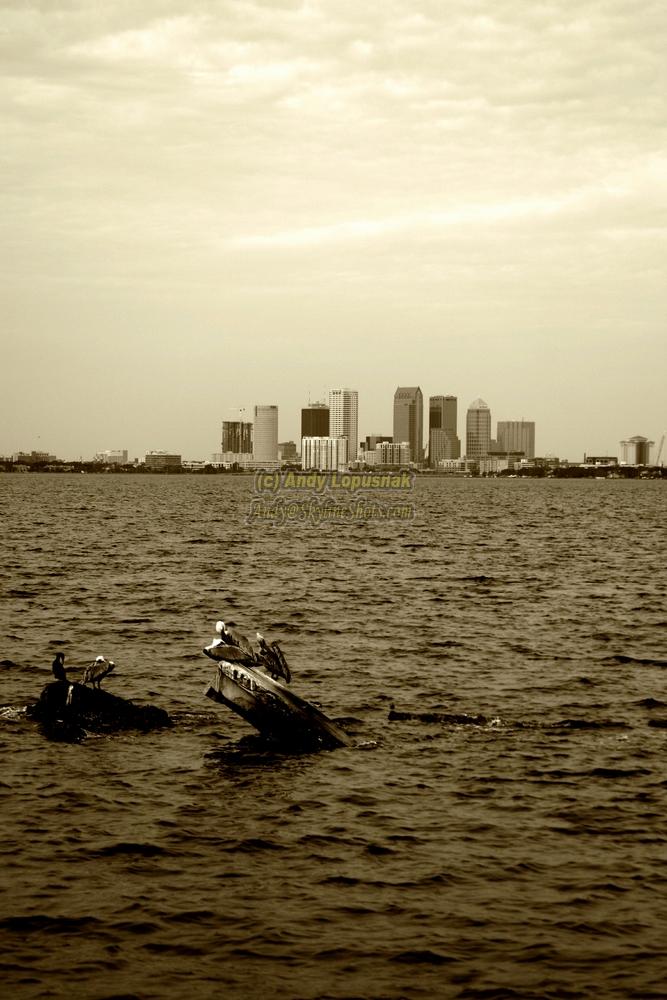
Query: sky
213,205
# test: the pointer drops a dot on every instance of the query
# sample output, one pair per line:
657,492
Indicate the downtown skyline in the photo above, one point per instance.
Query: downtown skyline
291,416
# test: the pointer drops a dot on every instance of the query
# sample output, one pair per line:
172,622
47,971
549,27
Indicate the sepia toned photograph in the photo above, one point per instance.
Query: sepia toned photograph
333,630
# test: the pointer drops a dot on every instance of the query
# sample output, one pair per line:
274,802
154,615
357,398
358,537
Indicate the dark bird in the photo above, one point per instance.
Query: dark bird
97,671
273,659
58,667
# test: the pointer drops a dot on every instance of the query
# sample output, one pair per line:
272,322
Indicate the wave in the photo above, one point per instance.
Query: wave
645,661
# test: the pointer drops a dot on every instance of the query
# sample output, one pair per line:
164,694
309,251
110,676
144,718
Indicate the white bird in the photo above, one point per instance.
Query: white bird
97,671
231,637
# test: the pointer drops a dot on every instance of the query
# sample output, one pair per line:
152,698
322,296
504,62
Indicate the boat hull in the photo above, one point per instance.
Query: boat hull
272,709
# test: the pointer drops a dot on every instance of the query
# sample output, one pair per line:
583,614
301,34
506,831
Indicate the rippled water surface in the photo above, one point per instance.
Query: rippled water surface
503,836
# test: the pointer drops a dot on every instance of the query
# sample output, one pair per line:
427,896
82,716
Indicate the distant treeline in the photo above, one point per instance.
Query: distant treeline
533,472
138,469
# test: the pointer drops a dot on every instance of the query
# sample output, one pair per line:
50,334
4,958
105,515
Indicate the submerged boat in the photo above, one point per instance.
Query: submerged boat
270,706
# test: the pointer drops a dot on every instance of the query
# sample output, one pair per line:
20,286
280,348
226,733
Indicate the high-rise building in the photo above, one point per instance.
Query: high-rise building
265,434
344,418
478,430
237,437
315,420
409,420
443,441
328,454
516,436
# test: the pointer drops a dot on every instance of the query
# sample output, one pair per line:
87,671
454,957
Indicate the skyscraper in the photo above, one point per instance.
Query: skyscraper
516,436
409,419
265,434
237,437
443,441
478,430
343,418
315,420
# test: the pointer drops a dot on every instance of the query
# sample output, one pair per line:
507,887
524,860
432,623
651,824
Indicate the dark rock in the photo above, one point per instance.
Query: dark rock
68,710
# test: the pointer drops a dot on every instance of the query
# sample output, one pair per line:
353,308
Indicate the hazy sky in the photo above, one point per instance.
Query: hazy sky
217,204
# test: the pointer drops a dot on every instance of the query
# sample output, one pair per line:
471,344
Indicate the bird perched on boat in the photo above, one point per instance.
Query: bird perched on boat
271,656
97,671
58,667
231,637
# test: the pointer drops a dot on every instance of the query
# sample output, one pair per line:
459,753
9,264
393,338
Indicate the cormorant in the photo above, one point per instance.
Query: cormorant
58,667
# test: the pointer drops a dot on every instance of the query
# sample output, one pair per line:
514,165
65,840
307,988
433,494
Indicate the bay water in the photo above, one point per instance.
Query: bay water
497,827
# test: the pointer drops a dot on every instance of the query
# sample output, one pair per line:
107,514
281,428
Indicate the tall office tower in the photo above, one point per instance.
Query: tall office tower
516,435
265,434
327,454
409,420
443,441
343,418
237,437
478,430
315,420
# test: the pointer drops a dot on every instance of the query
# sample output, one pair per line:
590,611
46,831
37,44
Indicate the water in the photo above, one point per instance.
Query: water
519,855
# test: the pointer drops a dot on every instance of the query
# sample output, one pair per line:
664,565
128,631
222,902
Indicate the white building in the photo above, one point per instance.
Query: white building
327,454
344,418
636,450
111,457
265,434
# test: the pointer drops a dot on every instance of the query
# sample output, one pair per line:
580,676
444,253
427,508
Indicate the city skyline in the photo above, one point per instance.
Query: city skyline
205,209
271,417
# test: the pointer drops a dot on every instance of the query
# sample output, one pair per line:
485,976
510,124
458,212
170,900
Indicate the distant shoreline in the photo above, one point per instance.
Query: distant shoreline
563,472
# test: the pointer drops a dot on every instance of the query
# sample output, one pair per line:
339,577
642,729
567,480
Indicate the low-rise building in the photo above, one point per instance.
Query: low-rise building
159,461
326,454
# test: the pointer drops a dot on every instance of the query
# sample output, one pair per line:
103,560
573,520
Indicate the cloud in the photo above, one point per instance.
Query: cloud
264,154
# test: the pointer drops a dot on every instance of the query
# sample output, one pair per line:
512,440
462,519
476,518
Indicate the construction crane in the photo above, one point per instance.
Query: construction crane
658,456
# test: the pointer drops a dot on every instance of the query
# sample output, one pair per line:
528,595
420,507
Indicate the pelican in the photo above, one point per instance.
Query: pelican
273,659
58,667
97,671
231,637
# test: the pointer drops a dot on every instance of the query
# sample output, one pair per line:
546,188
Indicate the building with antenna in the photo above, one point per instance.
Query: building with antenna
315,420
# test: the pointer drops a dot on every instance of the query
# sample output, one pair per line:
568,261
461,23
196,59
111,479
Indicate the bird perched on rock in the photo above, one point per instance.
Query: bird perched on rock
97,671
58,667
